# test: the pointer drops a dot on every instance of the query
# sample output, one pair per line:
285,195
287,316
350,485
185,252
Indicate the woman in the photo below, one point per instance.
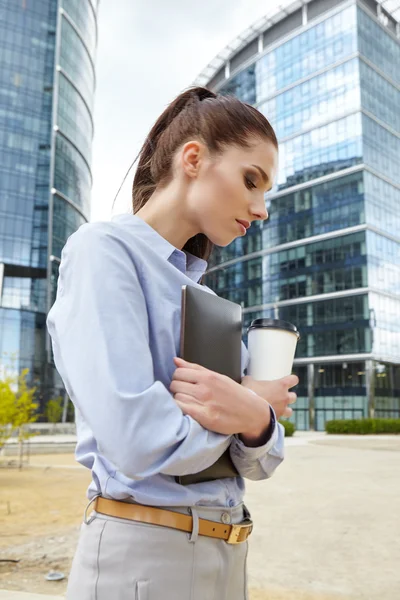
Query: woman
144,416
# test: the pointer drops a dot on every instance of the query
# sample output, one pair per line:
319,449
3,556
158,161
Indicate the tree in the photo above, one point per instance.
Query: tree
54,410
7,411
17,409
25,411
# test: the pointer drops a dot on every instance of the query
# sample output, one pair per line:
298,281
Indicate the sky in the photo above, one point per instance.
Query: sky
148,52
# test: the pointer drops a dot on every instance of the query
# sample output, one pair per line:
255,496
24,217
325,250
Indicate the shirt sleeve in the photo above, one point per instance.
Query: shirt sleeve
100,335
260,462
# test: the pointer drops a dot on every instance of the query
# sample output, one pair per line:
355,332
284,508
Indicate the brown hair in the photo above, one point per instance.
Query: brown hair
197,113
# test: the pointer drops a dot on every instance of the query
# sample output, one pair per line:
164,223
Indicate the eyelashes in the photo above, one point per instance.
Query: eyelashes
249,184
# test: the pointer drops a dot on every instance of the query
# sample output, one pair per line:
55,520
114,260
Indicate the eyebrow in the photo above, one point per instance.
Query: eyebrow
264,176
263,173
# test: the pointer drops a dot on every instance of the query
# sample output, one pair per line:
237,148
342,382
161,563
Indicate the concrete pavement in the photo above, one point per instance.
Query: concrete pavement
325,524
64,443
6,595
58,443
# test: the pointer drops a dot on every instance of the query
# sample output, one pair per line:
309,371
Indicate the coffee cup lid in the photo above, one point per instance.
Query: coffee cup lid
274,324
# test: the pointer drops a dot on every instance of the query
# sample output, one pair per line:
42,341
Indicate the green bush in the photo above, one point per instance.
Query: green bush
290,428
363,426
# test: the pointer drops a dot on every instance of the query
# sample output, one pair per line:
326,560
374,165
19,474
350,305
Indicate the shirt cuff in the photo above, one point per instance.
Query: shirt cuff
240,449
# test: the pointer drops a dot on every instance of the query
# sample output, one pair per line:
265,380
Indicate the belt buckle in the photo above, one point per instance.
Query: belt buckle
240,532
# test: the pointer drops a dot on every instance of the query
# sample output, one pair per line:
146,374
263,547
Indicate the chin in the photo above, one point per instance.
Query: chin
219,238
220,241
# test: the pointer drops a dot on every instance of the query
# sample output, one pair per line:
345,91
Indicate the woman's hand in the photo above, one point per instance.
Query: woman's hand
276,393
218,403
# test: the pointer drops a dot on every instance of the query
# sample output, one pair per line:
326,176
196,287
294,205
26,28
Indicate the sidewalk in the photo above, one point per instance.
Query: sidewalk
58,438
69,438
5,595
64,443
61,443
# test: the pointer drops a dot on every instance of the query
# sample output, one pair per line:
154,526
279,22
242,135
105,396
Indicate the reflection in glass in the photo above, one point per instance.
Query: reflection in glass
74,119
323,98
318,47
66,221
71,174
382,201
75,61
379,47
82,14
324,150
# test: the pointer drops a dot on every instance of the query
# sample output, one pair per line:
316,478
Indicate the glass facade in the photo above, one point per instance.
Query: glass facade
331,265
376,45
323,98
328,258
319,47
47,81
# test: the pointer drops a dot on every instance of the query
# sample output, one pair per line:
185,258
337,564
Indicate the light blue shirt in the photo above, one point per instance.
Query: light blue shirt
115,329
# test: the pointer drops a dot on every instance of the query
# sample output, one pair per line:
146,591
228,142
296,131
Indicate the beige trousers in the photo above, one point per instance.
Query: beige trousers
117,559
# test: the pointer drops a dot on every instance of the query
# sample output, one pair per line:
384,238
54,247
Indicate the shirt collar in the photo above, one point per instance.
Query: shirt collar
186,262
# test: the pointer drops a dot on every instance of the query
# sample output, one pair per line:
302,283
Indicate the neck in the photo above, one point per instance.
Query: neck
165,213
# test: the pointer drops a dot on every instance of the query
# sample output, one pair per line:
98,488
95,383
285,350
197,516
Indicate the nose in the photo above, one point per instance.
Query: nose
259,210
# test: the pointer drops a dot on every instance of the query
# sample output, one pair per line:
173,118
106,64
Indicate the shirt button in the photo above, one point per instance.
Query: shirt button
226,518
231,502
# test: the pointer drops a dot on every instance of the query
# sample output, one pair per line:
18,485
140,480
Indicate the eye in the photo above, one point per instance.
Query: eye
249,184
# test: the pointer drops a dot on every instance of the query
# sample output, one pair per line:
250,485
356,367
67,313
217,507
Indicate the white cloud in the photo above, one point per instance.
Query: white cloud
148,52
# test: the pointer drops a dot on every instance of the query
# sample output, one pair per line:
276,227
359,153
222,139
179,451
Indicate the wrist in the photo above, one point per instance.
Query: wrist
256,436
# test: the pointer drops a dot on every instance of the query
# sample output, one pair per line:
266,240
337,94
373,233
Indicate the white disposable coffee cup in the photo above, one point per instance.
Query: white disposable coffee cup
272,346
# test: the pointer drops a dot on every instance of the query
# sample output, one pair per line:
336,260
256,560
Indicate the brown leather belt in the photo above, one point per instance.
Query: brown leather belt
232,534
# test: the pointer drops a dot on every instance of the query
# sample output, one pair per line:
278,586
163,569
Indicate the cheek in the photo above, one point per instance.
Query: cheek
217,196
223,189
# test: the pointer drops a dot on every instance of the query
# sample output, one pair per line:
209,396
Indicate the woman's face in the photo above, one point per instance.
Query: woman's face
229,188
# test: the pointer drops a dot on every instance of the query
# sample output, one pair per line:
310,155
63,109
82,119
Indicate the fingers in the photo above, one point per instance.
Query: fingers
287,412
184,363
188,407
292,397
183,406
182,387
186,374
185,399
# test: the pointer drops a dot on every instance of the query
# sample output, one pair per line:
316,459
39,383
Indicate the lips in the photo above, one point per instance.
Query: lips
245,224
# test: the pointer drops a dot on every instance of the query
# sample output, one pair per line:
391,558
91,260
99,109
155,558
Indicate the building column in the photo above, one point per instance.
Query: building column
311,401
370,386
304,15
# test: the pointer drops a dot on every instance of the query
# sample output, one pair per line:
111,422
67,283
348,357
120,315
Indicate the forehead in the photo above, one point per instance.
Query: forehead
260,152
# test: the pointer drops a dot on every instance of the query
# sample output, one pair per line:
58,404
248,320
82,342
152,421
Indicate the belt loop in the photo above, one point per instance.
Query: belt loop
87,520
195,525
246,512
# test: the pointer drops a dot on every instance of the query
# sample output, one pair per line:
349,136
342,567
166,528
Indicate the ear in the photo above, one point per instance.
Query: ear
192,154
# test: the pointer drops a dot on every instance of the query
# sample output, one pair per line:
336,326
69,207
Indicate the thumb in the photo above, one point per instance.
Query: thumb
290,380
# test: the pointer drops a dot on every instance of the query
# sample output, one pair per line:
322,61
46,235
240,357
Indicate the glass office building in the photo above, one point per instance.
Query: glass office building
47,82
326,73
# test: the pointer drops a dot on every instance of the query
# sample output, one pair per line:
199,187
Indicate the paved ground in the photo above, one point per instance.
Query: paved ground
327,525
42,444
328,521
37,440
6,595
